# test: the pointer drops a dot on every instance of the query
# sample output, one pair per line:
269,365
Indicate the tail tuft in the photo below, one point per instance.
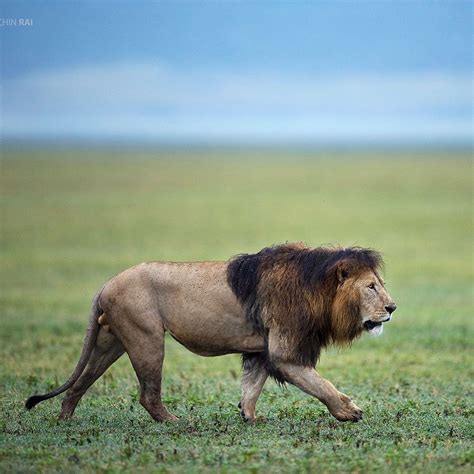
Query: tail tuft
89,343
34,400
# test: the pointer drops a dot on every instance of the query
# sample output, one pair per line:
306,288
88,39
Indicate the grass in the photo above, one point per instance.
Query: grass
72,219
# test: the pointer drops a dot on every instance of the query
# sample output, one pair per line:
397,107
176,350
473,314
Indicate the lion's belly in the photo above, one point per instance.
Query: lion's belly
200,311
205,346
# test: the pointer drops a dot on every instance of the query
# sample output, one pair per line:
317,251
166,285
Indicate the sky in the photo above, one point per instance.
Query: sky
338,72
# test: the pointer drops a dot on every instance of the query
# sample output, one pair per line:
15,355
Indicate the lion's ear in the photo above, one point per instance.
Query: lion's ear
342,273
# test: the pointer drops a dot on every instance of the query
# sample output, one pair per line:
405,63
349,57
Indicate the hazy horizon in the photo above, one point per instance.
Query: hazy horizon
322,74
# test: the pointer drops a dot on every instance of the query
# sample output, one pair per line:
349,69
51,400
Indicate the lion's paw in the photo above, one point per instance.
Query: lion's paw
167,416
347,410
249,415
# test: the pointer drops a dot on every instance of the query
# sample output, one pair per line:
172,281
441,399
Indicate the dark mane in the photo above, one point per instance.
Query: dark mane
291,288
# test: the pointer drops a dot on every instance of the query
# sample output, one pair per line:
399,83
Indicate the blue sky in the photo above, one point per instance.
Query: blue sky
273,72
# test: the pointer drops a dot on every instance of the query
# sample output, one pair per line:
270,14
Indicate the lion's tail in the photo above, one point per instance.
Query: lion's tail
89,343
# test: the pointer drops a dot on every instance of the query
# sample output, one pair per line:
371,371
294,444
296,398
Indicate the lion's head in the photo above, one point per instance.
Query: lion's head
361,303
377,305
312,297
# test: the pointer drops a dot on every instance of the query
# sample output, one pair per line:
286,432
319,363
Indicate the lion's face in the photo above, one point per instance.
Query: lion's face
376,305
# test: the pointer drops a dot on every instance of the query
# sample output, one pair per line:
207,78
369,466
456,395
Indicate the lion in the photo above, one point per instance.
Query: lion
278,308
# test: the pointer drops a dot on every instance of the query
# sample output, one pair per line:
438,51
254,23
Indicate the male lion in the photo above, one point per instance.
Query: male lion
278,308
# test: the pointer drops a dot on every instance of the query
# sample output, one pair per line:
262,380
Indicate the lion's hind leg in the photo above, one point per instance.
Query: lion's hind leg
145,345
254,375
148,365
106,351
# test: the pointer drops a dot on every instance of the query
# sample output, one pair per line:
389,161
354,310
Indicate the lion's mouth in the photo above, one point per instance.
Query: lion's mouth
369,325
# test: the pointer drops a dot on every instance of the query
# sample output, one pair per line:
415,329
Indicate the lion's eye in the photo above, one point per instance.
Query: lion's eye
372,286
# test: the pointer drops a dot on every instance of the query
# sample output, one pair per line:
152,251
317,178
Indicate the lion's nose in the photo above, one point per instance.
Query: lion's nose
390,308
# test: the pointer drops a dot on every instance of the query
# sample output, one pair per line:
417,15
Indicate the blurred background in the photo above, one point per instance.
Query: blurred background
135,131
322,73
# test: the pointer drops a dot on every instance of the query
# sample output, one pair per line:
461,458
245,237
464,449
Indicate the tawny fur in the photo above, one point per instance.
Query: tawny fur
278,308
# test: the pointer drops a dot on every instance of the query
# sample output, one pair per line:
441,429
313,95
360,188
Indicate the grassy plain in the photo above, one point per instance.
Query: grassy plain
72,219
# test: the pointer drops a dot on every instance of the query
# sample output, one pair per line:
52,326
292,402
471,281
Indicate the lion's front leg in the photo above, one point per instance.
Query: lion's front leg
254,375
308,380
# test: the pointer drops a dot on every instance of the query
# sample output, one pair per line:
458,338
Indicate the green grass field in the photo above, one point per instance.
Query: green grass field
71,220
